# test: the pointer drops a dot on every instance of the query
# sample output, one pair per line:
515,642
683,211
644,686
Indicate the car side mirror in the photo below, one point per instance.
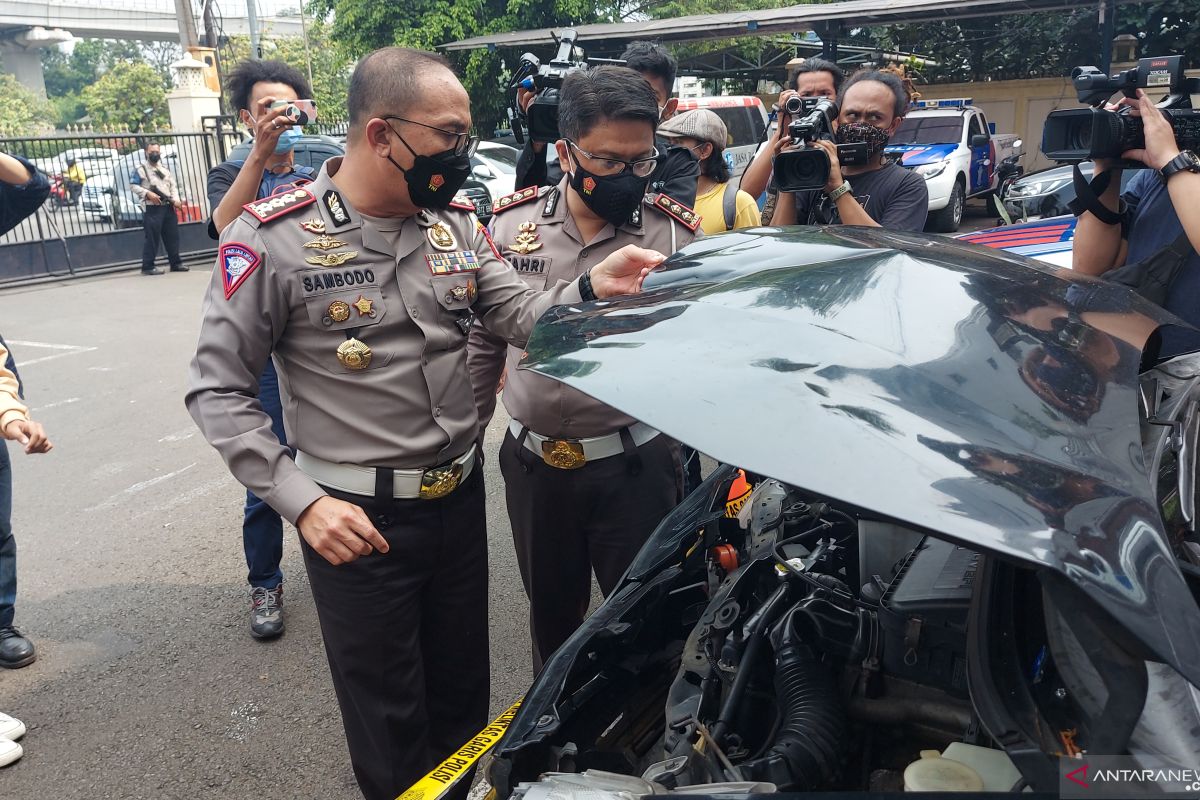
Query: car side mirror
979,140
482,172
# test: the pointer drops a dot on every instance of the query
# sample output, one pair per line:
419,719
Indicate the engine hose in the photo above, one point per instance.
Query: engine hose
808,747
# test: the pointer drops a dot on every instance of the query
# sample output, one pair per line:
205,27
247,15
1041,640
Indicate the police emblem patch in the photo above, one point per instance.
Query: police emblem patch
238,261
447,263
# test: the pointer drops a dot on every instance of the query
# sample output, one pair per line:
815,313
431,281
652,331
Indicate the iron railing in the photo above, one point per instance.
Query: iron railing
105,202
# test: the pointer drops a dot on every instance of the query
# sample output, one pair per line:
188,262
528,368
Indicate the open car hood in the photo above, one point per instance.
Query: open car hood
964,391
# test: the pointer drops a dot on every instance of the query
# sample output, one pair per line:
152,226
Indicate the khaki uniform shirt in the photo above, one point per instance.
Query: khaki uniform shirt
539,237
157,179
406,288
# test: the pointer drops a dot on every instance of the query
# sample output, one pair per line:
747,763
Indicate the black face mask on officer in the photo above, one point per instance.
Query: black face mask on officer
153,158
613,198
433,180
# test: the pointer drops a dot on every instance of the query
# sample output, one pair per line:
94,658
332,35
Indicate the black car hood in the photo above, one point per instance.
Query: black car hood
952,388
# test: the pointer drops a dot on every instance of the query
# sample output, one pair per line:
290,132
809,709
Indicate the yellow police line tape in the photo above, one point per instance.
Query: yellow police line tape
446,775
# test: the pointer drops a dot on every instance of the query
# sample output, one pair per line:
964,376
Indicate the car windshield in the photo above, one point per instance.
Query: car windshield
504,159
928,130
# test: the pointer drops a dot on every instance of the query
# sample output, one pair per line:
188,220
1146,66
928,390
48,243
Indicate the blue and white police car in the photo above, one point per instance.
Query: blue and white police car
952,145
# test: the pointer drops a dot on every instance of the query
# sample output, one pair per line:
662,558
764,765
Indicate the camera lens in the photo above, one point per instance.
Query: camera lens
1079,136
793,105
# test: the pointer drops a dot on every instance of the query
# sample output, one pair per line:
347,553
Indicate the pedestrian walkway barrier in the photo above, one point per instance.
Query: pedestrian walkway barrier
99,224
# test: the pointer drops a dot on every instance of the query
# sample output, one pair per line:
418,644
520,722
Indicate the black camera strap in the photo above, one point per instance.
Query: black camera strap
1087,198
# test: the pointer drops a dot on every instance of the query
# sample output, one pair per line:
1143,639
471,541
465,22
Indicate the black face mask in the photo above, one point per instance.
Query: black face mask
153,158
613,198
434,180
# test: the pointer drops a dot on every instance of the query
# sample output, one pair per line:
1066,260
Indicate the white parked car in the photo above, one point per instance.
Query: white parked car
951,144
496,165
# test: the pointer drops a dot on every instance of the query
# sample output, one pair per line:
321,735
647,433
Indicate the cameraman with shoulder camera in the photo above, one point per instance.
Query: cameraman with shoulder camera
678,168
815,78
874,193
1158,210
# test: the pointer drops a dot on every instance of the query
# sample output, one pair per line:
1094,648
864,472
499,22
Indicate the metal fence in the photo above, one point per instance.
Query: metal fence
83,227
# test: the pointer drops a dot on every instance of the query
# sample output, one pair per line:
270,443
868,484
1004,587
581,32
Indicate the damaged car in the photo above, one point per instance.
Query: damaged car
950,544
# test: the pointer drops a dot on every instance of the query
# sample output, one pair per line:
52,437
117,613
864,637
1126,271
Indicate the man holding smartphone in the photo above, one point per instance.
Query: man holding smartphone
267,96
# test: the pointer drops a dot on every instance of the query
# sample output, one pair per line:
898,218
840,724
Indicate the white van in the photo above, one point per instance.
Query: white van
744,117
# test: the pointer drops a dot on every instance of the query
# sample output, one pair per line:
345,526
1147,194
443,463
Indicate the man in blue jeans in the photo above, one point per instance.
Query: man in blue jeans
269,169
22,190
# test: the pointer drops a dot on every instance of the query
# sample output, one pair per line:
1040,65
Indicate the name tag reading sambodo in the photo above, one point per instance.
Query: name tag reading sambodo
456,261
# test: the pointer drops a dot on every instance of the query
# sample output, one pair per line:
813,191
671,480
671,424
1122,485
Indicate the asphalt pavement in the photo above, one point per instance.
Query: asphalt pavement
132,578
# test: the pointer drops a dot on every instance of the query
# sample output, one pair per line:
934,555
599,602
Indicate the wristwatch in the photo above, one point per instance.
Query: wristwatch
839,191
1186,161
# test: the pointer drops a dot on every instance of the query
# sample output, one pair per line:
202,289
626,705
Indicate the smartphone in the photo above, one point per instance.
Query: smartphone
298,112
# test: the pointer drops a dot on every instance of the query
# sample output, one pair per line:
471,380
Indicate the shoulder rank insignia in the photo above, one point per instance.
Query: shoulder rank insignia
277,205
515,199
461,201
676,210
237,262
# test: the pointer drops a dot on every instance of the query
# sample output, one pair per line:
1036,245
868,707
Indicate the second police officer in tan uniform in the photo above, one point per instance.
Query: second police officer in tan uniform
362,284
585,484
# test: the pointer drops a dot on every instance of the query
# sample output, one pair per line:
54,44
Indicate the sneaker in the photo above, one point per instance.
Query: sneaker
266,612
9,752
11,728
15,650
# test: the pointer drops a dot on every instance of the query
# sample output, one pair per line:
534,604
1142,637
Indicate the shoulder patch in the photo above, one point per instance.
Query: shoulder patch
674,209
277,205
515,199
237,262
463,202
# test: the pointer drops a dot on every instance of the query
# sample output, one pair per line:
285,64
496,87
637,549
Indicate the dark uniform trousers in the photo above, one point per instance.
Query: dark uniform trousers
161,224
406,635
567,523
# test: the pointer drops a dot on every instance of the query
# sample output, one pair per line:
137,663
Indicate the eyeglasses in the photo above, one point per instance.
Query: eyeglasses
464,143
642,167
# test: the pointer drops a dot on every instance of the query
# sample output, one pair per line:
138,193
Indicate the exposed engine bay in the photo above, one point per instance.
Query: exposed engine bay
802,648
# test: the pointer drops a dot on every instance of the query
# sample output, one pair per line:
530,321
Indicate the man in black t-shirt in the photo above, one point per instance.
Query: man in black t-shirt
877,193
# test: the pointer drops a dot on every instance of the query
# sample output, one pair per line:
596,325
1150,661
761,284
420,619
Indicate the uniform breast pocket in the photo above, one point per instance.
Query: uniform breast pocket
455,292
353,300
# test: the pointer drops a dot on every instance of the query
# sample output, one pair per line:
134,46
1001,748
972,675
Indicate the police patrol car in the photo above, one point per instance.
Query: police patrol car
951,144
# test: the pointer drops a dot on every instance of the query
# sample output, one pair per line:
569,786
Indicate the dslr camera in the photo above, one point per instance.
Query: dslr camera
807,167
1081,134
541,119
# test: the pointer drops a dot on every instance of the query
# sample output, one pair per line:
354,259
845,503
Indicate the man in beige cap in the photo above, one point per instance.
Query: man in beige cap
720,204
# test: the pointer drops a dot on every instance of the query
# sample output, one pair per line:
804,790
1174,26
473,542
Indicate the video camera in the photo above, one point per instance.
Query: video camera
808,167
541,119
1080,134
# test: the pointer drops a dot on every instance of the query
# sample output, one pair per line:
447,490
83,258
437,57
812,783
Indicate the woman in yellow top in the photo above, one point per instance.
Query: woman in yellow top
720,204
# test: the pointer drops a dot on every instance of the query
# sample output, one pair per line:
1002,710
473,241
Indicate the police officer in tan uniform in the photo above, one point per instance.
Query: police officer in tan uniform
586,484
362,285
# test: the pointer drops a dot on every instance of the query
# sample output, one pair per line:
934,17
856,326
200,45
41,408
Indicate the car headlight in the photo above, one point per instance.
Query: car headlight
1037,188
932,170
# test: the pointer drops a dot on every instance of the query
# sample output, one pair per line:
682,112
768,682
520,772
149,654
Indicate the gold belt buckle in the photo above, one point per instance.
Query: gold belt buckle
562,454
440,481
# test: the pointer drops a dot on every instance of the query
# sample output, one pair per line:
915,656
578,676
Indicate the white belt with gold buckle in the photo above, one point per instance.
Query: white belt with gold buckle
574,453
407,484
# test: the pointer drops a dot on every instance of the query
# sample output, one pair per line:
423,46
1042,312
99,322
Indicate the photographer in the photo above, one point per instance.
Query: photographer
253,86
1160,210
271,167
815,78
877,193
677,168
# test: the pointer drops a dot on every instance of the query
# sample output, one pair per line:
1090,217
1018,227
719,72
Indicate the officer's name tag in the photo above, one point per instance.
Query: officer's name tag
530,265
327,280
455,261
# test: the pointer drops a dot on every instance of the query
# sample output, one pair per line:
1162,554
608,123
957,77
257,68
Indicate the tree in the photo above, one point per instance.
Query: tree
21,111
69,73
361,26
1040,45
130,95
331,65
